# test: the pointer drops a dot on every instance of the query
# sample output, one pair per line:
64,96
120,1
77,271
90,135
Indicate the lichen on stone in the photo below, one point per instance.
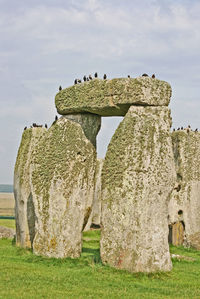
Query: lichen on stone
112,97
63,186
137,178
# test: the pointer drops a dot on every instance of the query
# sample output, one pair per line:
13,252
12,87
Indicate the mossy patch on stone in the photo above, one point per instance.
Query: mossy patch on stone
63,186
137,178
112,97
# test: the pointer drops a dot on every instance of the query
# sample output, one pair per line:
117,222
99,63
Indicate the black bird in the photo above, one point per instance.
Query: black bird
173,130
60,88
178,129
25,128
75,81
104,76
145,75
153,76
181,128
84,78
90,77
128,76
46,126
96,75
196,130
79,81
56,118
189,126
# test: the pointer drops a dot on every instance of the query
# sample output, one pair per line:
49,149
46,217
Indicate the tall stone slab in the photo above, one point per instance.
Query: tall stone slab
96,211
184,206
24,207
62,179
137,178
94,220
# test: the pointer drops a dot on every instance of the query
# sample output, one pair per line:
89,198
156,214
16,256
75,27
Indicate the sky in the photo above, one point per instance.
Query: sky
48,43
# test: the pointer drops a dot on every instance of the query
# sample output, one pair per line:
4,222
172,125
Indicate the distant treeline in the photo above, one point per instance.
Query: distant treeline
6,188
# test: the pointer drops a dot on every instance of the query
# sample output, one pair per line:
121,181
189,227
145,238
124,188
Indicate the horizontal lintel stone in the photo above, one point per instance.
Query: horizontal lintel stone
112,97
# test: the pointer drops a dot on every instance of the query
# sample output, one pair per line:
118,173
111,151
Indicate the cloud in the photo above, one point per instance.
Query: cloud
48,43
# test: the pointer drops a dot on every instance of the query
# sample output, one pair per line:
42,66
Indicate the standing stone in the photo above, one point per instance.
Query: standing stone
96,211
137,178
24,207
94,220
184,206
63,185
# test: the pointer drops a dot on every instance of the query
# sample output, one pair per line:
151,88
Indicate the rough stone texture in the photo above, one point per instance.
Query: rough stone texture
25,218
96,211
185,199
95,216
63,186
6,232
137,178
112,97
90,124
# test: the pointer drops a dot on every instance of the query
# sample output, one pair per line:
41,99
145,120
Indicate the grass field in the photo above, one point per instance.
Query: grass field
24,275
7,223
7,204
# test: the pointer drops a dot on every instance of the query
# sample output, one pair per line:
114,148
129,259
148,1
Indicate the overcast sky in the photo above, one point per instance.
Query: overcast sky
47,43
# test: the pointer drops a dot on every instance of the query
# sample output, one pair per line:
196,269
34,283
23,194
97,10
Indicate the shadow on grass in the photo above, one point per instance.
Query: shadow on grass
92,254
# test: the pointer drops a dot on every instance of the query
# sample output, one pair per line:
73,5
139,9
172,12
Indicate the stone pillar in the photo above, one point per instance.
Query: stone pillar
62,182
184,203
137,178
24,206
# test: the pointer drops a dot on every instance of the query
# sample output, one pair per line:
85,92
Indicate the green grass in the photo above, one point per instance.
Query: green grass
24,275
7,223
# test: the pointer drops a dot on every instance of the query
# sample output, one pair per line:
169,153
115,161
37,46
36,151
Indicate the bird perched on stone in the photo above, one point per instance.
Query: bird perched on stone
79,80
75,81
25,128
178,129
90,77
56,118
181,128
84,78
145,75
60,88
173,130
189,126
153,76
46,126
196,130
128,76
104,76
96,75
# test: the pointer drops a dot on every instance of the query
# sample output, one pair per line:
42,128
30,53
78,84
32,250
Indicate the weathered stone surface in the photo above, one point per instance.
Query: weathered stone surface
63,186
6,232
137,178
96,211
185,199
95,216
112,97
24,207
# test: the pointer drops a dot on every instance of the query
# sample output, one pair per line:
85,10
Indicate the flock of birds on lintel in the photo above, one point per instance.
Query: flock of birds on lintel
89,78
188,129
34,125
76,81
